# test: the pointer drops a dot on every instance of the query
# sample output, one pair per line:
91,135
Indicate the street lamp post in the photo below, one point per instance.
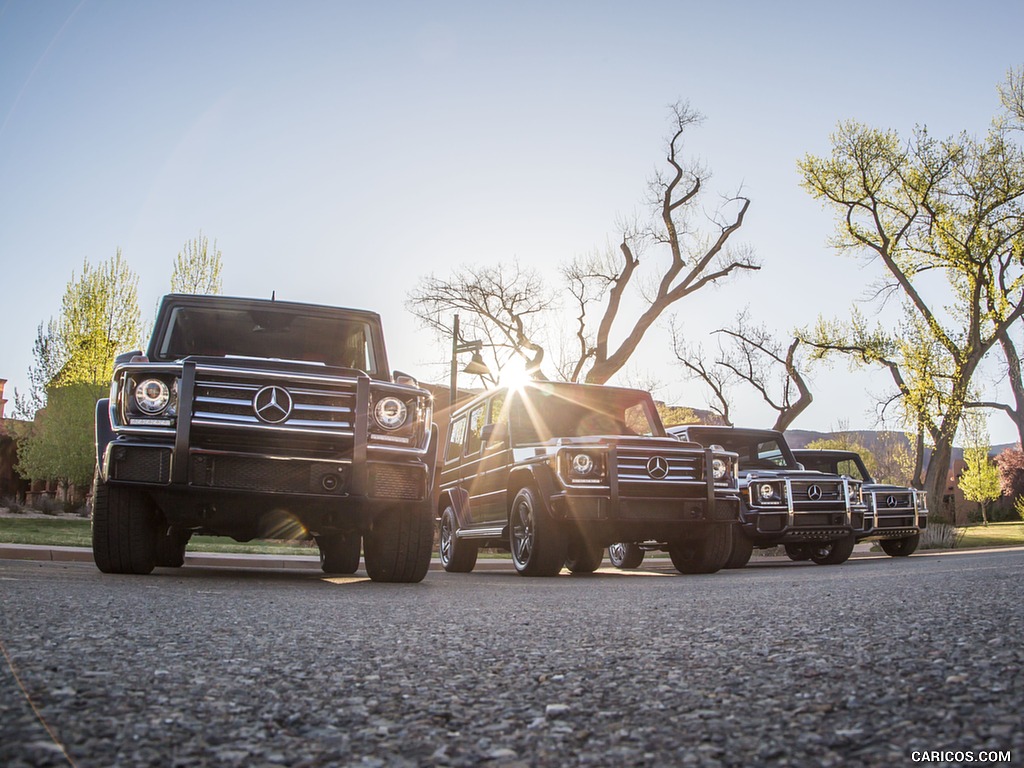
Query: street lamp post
476,365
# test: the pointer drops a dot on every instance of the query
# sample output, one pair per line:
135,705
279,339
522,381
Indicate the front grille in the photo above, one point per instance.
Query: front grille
892,501
632,466
830,492
396,482
227,399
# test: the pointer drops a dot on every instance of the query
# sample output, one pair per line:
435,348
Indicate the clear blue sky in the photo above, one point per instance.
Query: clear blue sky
338,151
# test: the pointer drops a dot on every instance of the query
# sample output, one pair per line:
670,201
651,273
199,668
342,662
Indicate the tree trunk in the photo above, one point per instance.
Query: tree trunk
918,458
1016,382
937,478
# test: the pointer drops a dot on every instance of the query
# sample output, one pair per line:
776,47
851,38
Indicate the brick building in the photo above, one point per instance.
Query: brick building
11,484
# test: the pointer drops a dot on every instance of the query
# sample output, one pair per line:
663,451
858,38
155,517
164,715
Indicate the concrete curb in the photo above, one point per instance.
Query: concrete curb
46,553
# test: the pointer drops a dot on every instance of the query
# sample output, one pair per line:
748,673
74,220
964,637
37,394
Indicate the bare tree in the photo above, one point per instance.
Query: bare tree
751,355
505,306
696,242
718,379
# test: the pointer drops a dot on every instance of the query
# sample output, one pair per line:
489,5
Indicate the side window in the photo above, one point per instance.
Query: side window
498,412
477,419
522,425
849,467
456,436
770,451
638,421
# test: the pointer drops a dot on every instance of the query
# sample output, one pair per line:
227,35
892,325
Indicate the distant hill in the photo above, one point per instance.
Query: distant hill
870,439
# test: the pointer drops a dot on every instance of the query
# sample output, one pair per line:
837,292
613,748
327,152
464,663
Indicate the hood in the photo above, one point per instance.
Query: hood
628,441
271,365
752,475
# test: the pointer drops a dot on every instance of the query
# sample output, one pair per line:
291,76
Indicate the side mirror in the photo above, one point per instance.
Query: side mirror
404,378
135,356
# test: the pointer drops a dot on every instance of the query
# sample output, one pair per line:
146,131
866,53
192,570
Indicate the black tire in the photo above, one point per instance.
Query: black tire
835,552
457,555
537,542
626,555
799,552
740,551
339,552
900,547
582,557
707,554
124,529
397,548
170,547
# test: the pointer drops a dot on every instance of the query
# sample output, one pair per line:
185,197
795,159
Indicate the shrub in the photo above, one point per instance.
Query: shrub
12,504
940,536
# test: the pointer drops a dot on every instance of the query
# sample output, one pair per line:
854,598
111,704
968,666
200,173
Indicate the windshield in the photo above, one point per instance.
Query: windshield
540,414
834,465
757,451
267,332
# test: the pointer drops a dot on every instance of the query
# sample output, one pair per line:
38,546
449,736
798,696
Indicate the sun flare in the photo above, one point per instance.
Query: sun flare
514,374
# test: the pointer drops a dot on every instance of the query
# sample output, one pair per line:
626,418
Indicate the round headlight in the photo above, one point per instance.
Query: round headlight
152,395
719,468
582,464
767,491
390,412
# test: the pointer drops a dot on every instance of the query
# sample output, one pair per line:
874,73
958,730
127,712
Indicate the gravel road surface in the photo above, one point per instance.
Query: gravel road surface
774,664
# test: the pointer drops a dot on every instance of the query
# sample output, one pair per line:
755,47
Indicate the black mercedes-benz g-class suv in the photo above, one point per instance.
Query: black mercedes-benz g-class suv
256,418
895,515
812,514
555,472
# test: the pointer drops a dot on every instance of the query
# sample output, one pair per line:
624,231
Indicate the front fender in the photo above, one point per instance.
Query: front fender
458,500
104,433
541,477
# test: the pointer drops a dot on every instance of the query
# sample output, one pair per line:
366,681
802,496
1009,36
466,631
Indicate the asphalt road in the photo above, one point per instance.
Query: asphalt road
867,663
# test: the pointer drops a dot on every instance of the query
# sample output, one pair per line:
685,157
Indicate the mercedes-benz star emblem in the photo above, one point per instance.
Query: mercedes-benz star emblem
891,501
814,493
272,404
657,467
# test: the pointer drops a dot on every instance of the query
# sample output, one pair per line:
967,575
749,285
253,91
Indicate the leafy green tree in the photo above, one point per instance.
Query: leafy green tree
99,318
197,268
672,415
980,479
59,443
75,356
944,219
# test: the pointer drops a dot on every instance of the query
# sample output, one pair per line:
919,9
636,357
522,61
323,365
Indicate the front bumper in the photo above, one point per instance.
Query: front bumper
146,464
571,506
